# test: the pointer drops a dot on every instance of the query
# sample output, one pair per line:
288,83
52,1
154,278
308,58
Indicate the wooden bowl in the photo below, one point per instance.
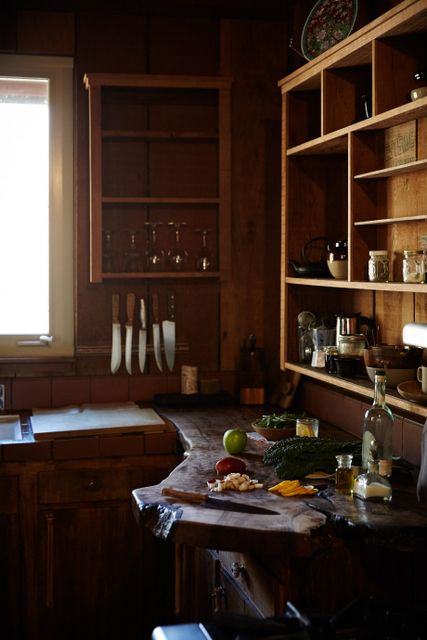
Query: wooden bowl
393,356
275,434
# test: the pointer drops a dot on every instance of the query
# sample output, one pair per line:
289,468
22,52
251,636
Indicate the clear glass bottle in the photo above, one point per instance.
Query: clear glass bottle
344,474
377,441
372,486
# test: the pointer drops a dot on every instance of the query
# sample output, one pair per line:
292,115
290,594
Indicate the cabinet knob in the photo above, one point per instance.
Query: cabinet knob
237,569
92,486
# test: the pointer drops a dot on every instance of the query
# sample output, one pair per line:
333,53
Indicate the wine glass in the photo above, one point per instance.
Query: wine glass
204,260
177,256
154,256
108,254
132,258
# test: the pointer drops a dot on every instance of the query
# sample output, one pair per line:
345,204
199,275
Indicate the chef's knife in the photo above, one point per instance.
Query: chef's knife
214,502
156,329
168,327
130,308
116,346
142,339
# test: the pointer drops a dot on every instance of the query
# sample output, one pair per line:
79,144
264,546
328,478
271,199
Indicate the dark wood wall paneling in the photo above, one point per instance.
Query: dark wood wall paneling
253,52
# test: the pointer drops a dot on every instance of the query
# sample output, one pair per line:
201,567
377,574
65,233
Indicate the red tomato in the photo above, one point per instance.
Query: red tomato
230,465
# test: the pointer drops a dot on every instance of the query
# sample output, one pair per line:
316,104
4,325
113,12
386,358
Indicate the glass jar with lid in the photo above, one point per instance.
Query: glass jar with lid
378,266
413,266
352,345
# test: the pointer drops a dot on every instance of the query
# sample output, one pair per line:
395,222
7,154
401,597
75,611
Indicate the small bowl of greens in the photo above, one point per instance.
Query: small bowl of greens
277,426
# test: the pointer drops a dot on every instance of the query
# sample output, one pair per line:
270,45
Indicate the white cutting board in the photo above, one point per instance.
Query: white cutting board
94,419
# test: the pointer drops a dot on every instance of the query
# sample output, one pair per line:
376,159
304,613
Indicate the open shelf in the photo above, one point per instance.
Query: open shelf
360,386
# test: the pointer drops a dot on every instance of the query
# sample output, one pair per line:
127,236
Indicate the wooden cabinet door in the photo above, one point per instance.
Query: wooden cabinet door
10,560
90,572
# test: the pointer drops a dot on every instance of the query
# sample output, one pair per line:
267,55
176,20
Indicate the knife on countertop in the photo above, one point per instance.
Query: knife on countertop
130,308
168,327
156,330
116,345
142,338
214,502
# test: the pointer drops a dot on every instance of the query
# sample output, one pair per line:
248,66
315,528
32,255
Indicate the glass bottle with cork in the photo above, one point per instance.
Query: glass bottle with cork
344,474
377,441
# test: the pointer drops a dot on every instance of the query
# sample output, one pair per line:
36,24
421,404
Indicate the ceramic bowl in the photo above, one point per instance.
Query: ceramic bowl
275,434
338,269
393,356
394,376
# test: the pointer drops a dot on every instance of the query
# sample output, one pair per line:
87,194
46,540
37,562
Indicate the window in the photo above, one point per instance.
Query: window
36,206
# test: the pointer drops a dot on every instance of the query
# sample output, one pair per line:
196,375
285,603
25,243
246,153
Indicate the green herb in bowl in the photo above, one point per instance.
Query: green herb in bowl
278,421
277,426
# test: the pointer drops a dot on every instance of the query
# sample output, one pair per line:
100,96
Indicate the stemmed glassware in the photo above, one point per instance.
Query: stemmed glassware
154,256
132,257
177,256
109,262
204,260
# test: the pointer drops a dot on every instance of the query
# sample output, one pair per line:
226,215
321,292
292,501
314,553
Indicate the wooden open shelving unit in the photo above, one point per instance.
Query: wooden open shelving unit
337,183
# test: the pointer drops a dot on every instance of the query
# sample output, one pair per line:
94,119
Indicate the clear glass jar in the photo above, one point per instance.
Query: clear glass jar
353,345
344,474
378,266
413,266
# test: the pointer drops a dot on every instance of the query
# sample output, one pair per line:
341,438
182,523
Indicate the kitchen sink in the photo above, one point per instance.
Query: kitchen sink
10,429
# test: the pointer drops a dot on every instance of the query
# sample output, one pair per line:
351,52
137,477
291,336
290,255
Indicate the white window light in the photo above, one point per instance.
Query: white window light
36,206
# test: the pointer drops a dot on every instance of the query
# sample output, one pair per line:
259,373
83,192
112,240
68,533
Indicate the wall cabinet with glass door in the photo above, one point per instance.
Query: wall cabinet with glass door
355,168
160,176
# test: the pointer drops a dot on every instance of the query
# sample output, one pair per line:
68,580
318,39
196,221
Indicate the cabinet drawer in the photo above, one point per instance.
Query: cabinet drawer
255,581
85,485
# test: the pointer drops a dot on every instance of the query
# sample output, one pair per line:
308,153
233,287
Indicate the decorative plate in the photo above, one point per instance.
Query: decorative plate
329,22
411,390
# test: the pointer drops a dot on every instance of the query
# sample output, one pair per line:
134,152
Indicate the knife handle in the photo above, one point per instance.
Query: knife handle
185,496
130,307
142,314
115,306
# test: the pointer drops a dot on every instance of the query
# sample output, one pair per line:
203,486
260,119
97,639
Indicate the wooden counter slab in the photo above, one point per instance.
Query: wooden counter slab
303,524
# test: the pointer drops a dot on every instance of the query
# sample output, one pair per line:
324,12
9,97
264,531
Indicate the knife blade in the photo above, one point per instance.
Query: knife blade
168,328
156,330
214,502
142,338
116,344
130,308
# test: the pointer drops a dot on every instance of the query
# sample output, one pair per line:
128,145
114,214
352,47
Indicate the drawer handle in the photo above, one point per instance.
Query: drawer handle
50,520
92,486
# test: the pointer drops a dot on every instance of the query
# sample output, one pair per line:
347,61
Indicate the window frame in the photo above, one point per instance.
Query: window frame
59,71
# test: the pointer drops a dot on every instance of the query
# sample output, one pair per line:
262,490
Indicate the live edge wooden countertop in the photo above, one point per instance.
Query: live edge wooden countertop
303,524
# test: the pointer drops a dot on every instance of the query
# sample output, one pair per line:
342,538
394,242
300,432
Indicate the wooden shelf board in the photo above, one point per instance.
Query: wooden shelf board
157,200
378,221
409,167
154,80
361,285
205,136
359,386
156,275
336,141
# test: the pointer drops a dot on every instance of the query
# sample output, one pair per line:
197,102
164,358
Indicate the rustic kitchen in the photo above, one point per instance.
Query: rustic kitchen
219,430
